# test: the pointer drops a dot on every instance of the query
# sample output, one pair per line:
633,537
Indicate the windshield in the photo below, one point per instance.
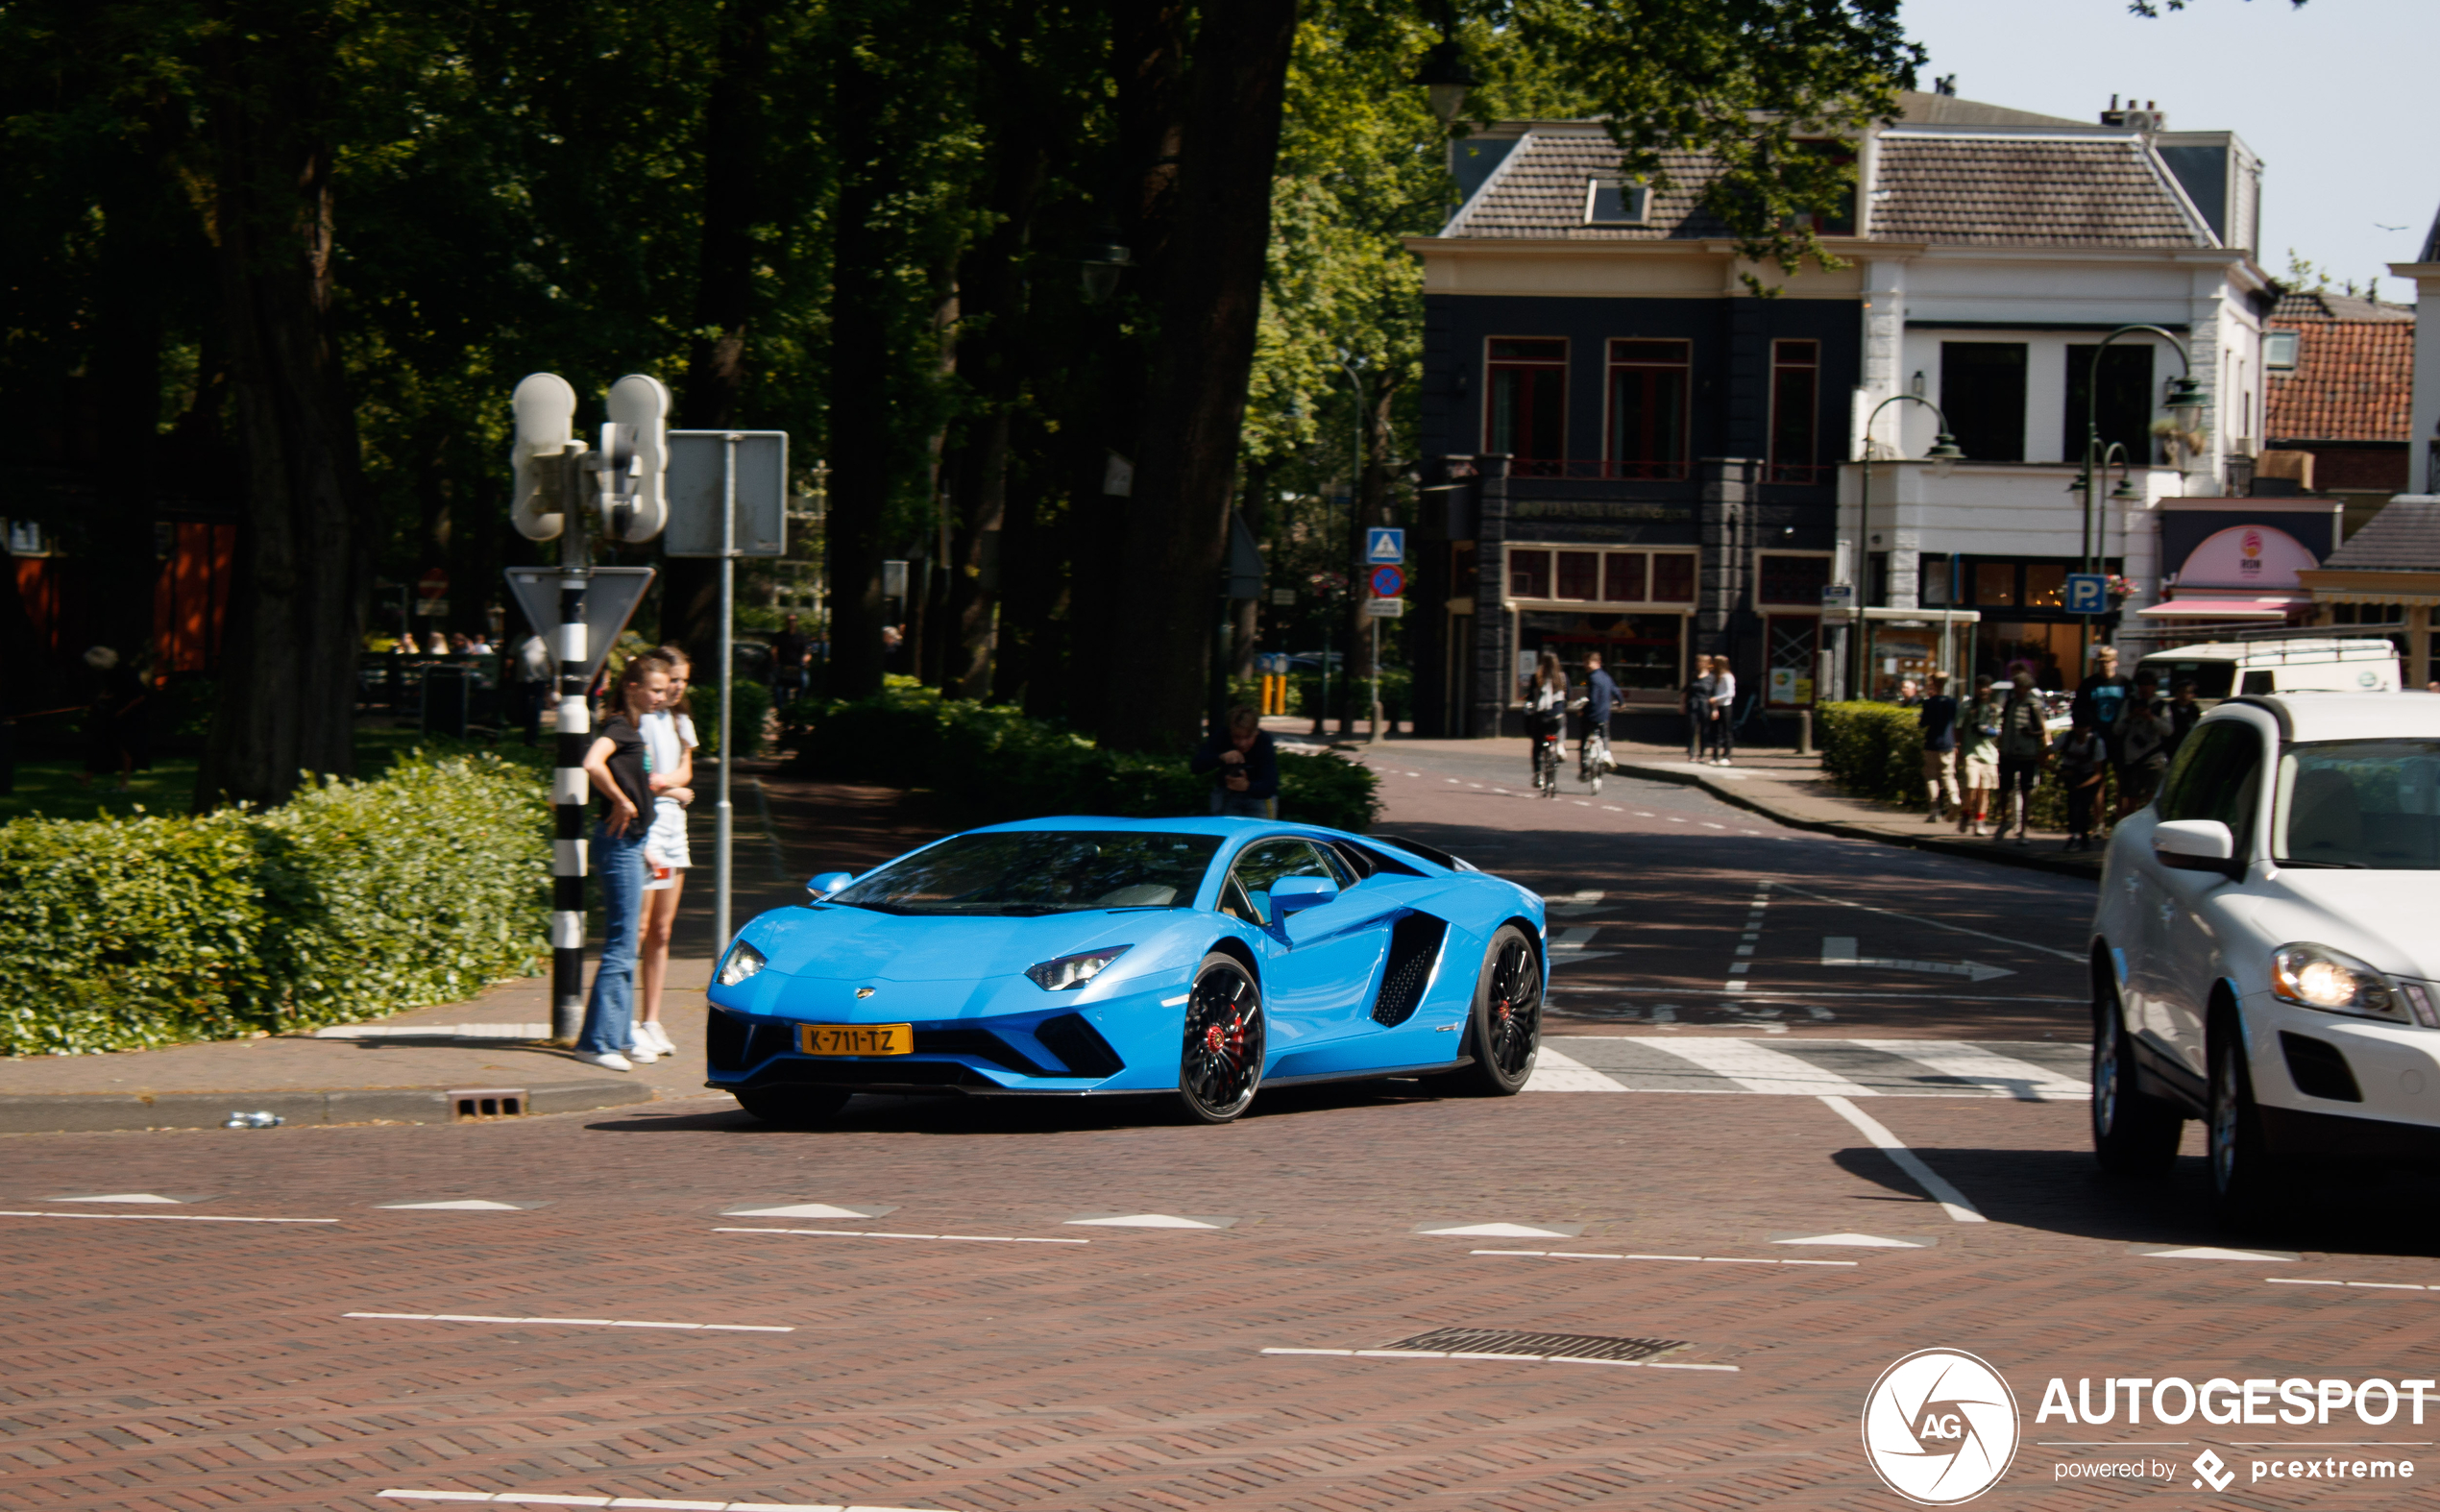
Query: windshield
1040,872
2369,804
2211,678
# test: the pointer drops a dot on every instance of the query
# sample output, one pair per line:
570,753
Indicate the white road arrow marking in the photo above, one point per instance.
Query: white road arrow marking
1838,950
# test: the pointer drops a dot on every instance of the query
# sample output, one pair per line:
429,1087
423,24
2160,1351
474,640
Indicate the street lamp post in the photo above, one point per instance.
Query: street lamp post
1944,455
2186,404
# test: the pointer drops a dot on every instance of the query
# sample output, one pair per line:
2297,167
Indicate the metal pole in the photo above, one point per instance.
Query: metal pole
721,813
1377,678
570,790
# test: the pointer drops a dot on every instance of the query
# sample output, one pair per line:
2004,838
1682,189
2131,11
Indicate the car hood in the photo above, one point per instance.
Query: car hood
853,944
2384,917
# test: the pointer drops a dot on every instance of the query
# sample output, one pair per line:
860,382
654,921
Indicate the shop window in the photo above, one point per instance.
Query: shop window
1528,575
1579,574
2045,585
1644,653
1672,577
1938,586
1792,580
1527,403
1995,584
1791,658
1795,410
1650,385
2127,401
1983,394
1622,577
2367,614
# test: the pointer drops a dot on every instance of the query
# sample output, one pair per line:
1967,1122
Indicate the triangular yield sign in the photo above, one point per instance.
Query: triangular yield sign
122,1197
1506,1230
611,594
462,1205
2207,1252
806,1211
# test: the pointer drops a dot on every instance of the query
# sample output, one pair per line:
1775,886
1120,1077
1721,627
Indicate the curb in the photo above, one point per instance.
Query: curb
2029,860
94,1112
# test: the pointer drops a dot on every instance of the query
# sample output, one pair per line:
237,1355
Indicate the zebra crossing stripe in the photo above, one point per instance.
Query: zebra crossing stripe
1759,1069
2021,1080
2026,1071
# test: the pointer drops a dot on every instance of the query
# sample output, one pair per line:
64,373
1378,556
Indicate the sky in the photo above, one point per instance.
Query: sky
2336,97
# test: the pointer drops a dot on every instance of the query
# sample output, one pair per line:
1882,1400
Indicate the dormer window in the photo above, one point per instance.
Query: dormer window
1614,202
2279,351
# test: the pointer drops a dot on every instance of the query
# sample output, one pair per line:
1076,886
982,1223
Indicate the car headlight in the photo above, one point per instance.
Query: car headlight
2332,980
742,961
1064,973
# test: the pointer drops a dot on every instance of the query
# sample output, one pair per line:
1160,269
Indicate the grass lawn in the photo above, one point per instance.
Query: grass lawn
50,788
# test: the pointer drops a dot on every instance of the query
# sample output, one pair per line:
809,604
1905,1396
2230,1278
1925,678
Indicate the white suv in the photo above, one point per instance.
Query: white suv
2264,955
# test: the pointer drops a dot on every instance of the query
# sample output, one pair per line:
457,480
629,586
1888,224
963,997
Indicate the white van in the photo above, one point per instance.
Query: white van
2328,664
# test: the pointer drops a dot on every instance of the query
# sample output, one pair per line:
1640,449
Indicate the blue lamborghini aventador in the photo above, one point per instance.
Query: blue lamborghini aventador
1201,958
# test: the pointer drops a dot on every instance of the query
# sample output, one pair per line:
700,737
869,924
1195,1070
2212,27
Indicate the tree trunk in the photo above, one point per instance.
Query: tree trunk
1212,291
122,565
288,691
860,360
735,133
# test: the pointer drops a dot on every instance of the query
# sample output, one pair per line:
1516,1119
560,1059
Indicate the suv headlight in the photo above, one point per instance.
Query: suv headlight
1064,973
2334,982
742,961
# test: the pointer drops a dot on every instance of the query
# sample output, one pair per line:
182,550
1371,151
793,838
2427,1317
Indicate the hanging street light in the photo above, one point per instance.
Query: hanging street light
1106,260
1446,78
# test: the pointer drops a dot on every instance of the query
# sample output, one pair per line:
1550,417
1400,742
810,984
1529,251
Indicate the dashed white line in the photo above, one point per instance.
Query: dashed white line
569,1323
537,1499
865,1234
2301,1280
160,1217
1699,1260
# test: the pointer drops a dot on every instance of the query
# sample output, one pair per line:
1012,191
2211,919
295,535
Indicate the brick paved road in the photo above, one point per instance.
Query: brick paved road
150,1362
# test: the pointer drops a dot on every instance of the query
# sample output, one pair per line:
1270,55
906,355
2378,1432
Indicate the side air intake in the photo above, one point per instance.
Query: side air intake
1414,944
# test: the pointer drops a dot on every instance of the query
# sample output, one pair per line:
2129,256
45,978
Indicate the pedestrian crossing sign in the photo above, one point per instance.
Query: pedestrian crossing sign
1384,544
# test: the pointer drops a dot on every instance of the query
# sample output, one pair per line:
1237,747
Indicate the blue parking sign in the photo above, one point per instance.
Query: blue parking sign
2087,593
1383,545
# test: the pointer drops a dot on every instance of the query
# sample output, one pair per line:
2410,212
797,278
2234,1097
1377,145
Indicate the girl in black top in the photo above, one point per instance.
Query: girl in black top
622,776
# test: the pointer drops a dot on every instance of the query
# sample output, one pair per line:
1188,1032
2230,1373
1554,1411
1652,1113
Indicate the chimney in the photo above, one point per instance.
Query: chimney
2114,116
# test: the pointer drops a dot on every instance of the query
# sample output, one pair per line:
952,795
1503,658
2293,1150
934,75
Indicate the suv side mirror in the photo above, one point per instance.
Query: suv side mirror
2197,845
1289,894
828,883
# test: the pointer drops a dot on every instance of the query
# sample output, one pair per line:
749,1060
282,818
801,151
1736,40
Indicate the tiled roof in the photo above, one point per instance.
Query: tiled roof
2353,378
1946,110
2039,191
2403,537
1538,192
2301,305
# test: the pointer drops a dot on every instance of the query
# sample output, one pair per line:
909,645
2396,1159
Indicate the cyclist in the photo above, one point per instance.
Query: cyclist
1601,695
1546,706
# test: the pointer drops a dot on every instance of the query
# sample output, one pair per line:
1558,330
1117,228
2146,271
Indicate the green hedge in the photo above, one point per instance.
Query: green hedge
1876,750
984,763
753,704
353,900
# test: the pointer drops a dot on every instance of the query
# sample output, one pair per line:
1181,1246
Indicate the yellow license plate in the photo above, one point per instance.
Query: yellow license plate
856,1039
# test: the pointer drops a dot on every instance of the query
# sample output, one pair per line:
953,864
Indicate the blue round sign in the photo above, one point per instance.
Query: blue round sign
1388,582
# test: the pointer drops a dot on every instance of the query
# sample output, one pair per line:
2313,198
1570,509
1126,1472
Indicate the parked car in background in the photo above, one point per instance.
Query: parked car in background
2317,664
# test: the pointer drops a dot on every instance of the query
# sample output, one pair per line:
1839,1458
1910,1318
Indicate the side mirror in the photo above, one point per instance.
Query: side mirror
2196,845
1290,895
828,883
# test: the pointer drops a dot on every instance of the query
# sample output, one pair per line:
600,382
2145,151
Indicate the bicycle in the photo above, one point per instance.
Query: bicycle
1547,756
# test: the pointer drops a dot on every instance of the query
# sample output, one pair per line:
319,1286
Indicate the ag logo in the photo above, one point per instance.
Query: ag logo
1939,1428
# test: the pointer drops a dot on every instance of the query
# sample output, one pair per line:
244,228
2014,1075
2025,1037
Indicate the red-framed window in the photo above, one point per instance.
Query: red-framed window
1672,577
1528,575
1525,401
1652,388
1579,574
1796,411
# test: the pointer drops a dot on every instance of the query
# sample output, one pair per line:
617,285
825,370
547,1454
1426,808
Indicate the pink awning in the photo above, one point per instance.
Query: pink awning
2264,608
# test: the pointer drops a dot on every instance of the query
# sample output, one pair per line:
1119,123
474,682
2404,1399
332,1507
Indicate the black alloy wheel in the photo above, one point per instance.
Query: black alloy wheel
792,1107
2246,1185
1503,1034
2132,1133
1220,1064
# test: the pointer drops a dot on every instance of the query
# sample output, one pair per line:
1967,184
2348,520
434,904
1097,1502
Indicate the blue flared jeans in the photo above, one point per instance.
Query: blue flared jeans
610,1012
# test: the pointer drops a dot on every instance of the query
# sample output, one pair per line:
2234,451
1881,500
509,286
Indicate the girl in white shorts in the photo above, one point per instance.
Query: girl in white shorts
668,737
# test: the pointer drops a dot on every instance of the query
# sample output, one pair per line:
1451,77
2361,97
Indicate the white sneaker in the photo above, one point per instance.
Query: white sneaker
661,1040
607,1060
639,1047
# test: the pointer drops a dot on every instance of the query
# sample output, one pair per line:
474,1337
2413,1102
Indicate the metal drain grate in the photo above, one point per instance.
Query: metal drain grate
488,1102
1536,1346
